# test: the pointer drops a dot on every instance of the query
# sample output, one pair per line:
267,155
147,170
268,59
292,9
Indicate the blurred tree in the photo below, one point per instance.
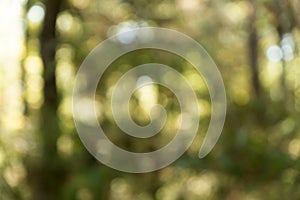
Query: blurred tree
253,48
46,175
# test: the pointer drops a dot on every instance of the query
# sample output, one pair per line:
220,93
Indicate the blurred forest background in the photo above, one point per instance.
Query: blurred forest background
255,44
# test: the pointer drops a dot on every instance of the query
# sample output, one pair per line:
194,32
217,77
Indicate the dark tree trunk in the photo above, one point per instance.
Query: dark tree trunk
48,47
46,174
253,49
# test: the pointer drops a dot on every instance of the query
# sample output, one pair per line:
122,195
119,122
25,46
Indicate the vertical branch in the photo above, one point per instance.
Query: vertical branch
49,123
23,71
253,49
46,175
48,47
283,75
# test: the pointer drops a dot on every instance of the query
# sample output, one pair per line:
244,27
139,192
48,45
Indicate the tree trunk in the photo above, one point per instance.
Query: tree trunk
253,49
46,174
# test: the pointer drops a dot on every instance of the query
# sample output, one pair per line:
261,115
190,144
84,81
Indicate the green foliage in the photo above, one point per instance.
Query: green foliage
258,154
